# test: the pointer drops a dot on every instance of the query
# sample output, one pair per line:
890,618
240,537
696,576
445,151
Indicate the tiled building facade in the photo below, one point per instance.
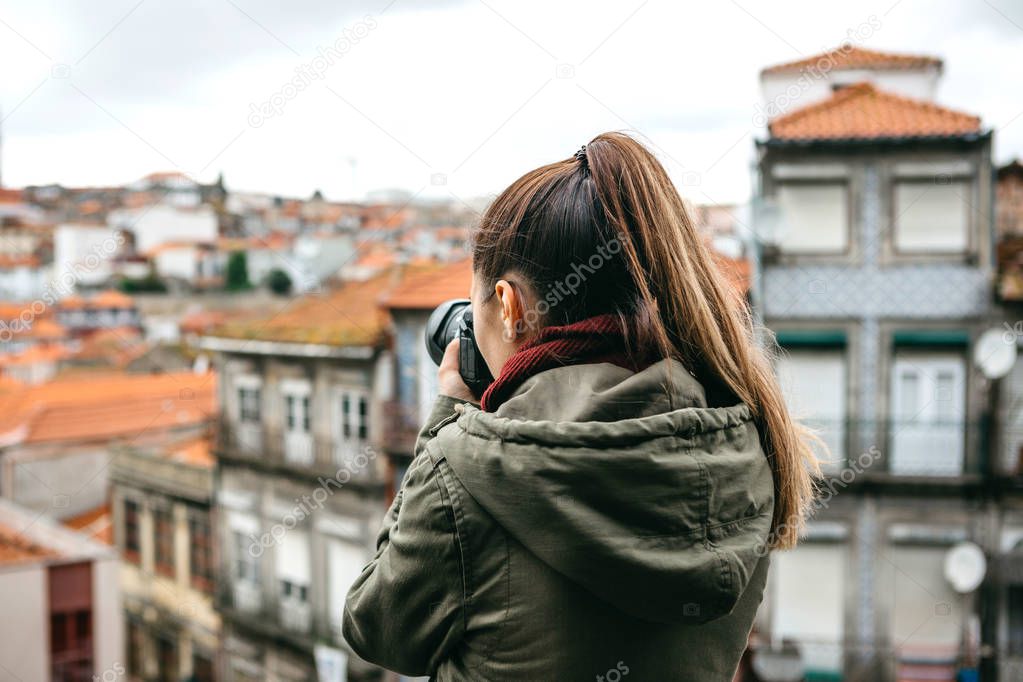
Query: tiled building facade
875,228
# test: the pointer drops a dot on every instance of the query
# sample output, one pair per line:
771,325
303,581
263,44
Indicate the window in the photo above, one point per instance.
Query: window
246,564
167,659
163,525
353,424
71,645
1015,602
931,216
345,561
136,644
927,620
297,411
293,567
202,667
927,426
813,381
248,404
131,531
294,576
814,217
813,618
70,609
200,558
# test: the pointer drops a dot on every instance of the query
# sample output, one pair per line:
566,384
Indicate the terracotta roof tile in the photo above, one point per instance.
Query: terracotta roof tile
97,523
72,302
349,315
432,287
112,298
34,355
196,452
10,196
113,346
16,548
852,57
102,406
862,112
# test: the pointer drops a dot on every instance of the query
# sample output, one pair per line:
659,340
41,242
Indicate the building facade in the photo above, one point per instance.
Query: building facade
302,479
874,226
161,498
61,601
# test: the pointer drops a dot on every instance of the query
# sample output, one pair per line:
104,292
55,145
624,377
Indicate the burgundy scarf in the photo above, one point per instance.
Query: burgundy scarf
590,341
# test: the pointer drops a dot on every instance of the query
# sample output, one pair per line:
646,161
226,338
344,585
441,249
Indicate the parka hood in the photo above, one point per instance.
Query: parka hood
626,483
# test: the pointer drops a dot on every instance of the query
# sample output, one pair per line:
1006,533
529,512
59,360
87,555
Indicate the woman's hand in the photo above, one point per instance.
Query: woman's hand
449,381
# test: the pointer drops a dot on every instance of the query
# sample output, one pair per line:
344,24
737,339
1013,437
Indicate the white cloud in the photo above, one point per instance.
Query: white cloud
470,90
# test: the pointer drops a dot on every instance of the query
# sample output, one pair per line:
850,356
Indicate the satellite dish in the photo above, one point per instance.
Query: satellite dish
995,353
965,567
784,664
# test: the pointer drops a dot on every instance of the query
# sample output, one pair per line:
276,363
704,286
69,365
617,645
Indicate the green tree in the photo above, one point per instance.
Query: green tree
238,272
279,282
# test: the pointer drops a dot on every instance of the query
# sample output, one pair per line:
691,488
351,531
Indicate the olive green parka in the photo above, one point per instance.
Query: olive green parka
600,525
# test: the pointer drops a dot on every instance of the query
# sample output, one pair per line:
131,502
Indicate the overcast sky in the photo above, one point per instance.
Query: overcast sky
442,98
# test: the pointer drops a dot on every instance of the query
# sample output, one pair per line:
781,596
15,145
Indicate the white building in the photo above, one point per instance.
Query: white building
159,224
60,593
82,254
792,85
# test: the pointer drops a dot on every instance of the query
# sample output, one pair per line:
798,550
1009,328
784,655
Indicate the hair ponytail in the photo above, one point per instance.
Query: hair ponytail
662,280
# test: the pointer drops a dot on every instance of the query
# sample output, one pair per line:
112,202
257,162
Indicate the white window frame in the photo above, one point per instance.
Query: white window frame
918,189
785,239
352,428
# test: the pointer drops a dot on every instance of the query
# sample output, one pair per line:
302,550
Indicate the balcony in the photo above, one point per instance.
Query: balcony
148,470
297,452
892,449
274,618
246,596
296,615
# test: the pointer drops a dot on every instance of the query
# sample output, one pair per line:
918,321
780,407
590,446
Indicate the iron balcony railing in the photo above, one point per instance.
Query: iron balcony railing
353,460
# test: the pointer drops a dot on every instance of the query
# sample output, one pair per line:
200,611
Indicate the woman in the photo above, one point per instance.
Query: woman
605,510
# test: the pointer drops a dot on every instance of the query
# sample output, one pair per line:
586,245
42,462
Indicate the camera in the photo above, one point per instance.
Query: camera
453,320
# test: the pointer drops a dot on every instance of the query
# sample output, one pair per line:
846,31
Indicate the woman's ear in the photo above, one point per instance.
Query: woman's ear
511,310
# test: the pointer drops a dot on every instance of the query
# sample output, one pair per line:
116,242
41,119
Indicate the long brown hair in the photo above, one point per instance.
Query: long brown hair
614,199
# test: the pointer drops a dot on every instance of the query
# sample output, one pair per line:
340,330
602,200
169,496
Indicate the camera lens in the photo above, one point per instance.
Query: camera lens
442,327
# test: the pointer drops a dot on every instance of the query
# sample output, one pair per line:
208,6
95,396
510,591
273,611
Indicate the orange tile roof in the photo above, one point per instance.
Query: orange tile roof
347,316
197,452
851,57
114,346
862,112
97,523
16,548
45,328
430,288
7,261
34,355
202,320
165,175
72,302
10,196
112,298
104,406
379,257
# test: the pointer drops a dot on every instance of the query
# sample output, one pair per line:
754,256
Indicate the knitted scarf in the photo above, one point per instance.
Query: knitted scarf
590,341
